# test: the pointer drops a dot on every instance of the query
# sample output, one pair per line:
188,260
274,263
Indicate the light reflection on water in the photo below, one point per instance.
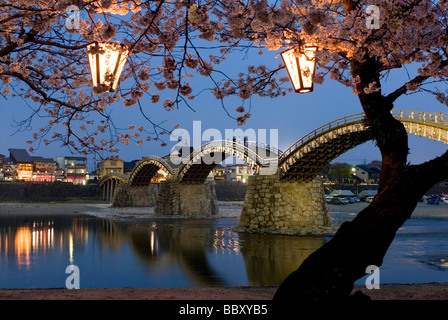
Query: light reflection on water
35,251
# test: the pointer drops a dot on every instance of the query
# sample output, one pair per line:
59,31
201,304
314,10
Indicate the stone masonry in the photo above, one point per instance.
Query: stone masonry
175,198
135,196
291,207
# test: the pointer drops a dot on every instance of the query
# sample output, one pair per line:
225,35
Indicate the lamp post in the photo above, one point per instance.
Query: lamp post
106,62
301,64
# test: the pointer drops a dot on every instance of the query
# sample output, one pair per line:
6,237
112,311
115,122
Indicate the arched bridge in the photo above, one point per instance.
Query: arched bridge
195,168
303,160
109,182
147,168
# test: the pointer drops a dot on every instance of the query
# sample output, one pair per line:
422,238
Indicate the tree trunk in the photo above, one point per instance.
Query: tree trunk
331,271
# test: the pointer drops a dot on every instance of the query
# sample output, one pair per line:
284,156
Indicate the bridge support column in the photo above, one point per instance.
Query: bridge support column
104,192
126,195
274,206
107,190
175,198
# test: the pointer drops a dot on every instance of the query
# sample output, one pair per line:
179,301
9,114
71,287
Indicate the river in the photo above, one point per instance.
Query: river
138,251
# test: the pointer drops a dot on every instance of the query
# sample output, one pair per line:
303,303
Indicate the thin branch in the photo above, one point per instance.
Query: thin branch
391,97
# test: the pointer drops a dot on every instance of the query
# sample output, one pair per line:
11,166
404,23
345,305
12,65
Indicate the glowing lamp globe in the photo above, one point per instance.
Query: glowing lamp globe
301,64
106,62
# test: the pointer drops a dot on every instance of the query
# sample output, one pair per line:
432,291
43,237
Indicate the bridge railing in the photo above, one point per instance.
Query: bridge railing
316,132
247,148
420,116
434,118
262,145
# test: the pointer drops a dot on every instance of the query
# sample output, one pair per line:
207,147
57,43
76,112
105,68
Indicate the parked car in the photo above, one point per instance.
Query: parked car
337,201
369,199
433,201
328,198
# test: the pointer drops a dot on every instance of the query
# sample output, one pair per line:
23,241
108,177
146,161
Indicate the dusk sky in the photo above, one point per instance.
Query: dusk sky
293,116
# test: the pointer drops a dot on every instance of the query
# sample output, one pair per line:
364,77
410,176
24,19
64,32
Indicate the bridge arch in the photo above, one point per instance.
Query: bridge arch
195,168
117,177
108,184
147,168
307,156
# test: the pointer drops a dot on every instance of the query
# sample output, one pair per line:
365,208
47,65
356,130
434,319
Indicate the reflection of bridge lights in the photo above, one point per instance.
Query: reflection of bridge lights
70,248
224,242
153,245
23,246
32,239
43,235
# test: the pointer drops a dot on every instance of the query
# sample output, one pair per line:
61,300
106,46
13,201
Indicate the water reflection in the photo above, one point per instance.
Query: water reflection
22,238
225,242
186,245
270,259
149,253
22,246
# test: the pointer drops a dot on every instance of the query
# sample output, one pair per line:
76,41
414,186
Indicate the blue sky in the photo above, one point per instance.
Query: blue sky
293,116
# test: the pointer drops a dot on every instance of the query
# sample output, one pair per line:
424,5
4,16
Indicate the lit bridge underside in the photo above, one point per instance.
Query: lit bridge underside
147,168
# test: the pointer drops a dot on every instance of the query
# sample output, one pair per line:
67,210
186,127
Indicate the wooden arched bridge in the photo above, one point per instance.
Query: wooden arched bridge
307,156
195,168
301,162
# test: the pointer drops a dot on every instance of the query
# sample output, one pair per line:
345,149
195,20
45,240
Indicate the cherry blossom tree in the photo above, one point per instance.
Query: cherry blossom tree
172,43
43,58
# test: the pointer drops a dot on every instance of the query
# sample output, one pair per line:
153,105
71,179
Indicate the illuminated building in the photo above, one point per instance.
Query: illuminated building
238,172
9,169
23,162
75,169
110,166
44,169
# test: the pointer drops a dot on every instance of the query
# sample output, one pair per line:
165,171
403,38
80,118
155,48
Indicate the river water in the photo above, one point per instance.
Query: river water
36,250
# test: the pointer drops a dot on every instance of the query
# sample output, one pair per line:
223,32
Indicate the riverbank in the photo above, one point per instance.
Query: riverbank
428,291
226,209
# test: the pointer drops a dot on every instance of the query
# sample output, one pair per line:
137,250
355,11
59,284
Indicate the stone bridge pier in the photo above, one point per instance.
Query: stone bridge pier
176,198
127,195
287,207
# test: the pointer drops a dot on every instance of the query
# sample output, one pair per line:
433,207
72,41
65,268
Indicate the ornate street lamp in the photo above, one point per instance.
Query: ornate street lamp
106,62
301,64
